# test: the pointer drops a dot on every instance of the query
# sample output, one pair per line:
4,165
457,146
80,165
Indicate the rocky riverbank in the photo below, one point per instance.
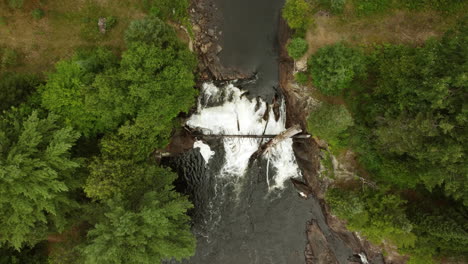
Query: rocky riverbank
205,27
206,43
307,153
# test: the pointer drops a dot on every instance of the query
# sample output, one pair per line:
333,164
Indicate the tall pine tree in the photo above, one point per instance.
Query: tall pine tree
36,175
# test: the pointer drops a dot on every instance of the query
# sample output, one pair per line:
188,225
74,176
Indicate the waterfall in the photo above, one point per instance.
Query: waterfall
226,110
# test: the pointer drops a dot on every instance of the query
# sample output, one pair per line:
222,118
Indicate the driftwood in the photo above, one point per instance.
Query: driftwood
288,133
265,148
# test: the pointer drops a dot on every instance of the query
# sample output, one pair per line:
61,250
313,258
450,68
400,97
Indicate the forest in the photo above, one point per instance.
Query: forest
402,109
78,183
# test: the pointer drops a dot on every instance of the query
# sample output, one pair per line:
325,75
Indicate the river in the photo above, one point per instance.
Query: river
247,213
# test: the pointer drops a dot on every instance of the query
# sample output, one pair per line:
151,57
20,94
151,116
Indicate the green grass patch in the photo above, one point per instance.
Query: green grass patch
37,13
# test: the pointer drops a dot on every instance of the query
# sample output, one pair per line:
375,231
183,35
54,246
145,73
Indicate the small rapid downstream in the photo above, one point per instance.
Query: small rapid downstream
247,212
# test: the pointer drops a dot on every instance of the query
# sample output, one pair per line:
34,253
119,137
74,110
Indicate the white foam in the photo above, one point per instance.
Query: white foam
363,258
205,150
237,115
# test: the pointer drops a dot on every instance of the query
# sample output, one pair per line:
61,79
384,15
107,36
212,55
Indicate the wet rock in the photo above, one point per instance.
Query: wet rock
317,250
205,47
211,32
303,189
218,48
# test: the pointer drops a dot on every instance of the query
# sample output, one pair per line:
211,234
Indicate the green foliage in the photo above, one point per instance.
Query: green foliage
36,177
410,131
329,122
168,9
334,67
445,6
16,4
418,116
36,255
69,91
377,214
133,102
37,13
369,7
110,172
298,15
297,47
110,22
336,6
301,78
152,84
441,231
9,58
15,88
150,230
150,31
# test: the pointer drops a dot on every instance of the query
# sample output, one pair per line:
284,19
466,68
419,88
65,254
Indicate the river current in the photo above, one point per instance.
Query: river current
247,212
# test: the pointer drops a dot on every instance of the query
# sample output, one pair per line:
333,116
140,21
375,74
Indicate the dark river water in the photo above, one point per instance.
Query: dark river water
249,41
241,218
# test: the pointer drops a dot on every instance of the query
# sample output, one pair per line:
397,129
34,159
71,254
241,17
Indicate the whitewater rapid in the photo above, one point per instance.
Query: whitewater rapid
227,111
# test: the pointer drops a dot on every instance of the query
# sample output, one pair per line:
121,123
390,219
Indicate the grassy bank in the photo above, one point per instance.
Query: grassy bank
42,40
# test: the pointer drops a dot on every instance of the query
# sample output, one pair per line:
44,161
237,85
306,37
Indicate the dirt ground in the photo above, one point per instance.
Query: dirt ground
396,27
66,25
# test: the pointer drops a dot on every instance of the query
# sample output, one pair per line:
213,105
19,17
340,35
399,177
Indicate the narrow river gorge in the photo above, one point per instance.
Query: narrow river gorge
249,212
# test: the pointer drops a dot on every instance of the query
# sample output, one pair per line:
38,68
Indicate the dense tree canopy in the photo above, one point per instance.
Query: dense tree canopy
124,107
150,86
410,131
69,91
15,88
36,176
376,214
149,230
120,170
418,115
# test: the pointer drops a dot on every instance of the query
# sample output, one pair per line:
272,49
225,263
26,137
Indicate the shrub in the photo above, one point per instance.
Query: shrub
301,78
168,9
150,31
369,7
9,58
297,47
329,121
37,13
336,6
334,67
110,22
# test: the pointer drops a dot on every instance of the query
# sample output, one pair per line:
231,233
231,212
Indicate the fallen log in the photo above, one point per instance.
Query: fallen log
288,133
265,148
247,136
